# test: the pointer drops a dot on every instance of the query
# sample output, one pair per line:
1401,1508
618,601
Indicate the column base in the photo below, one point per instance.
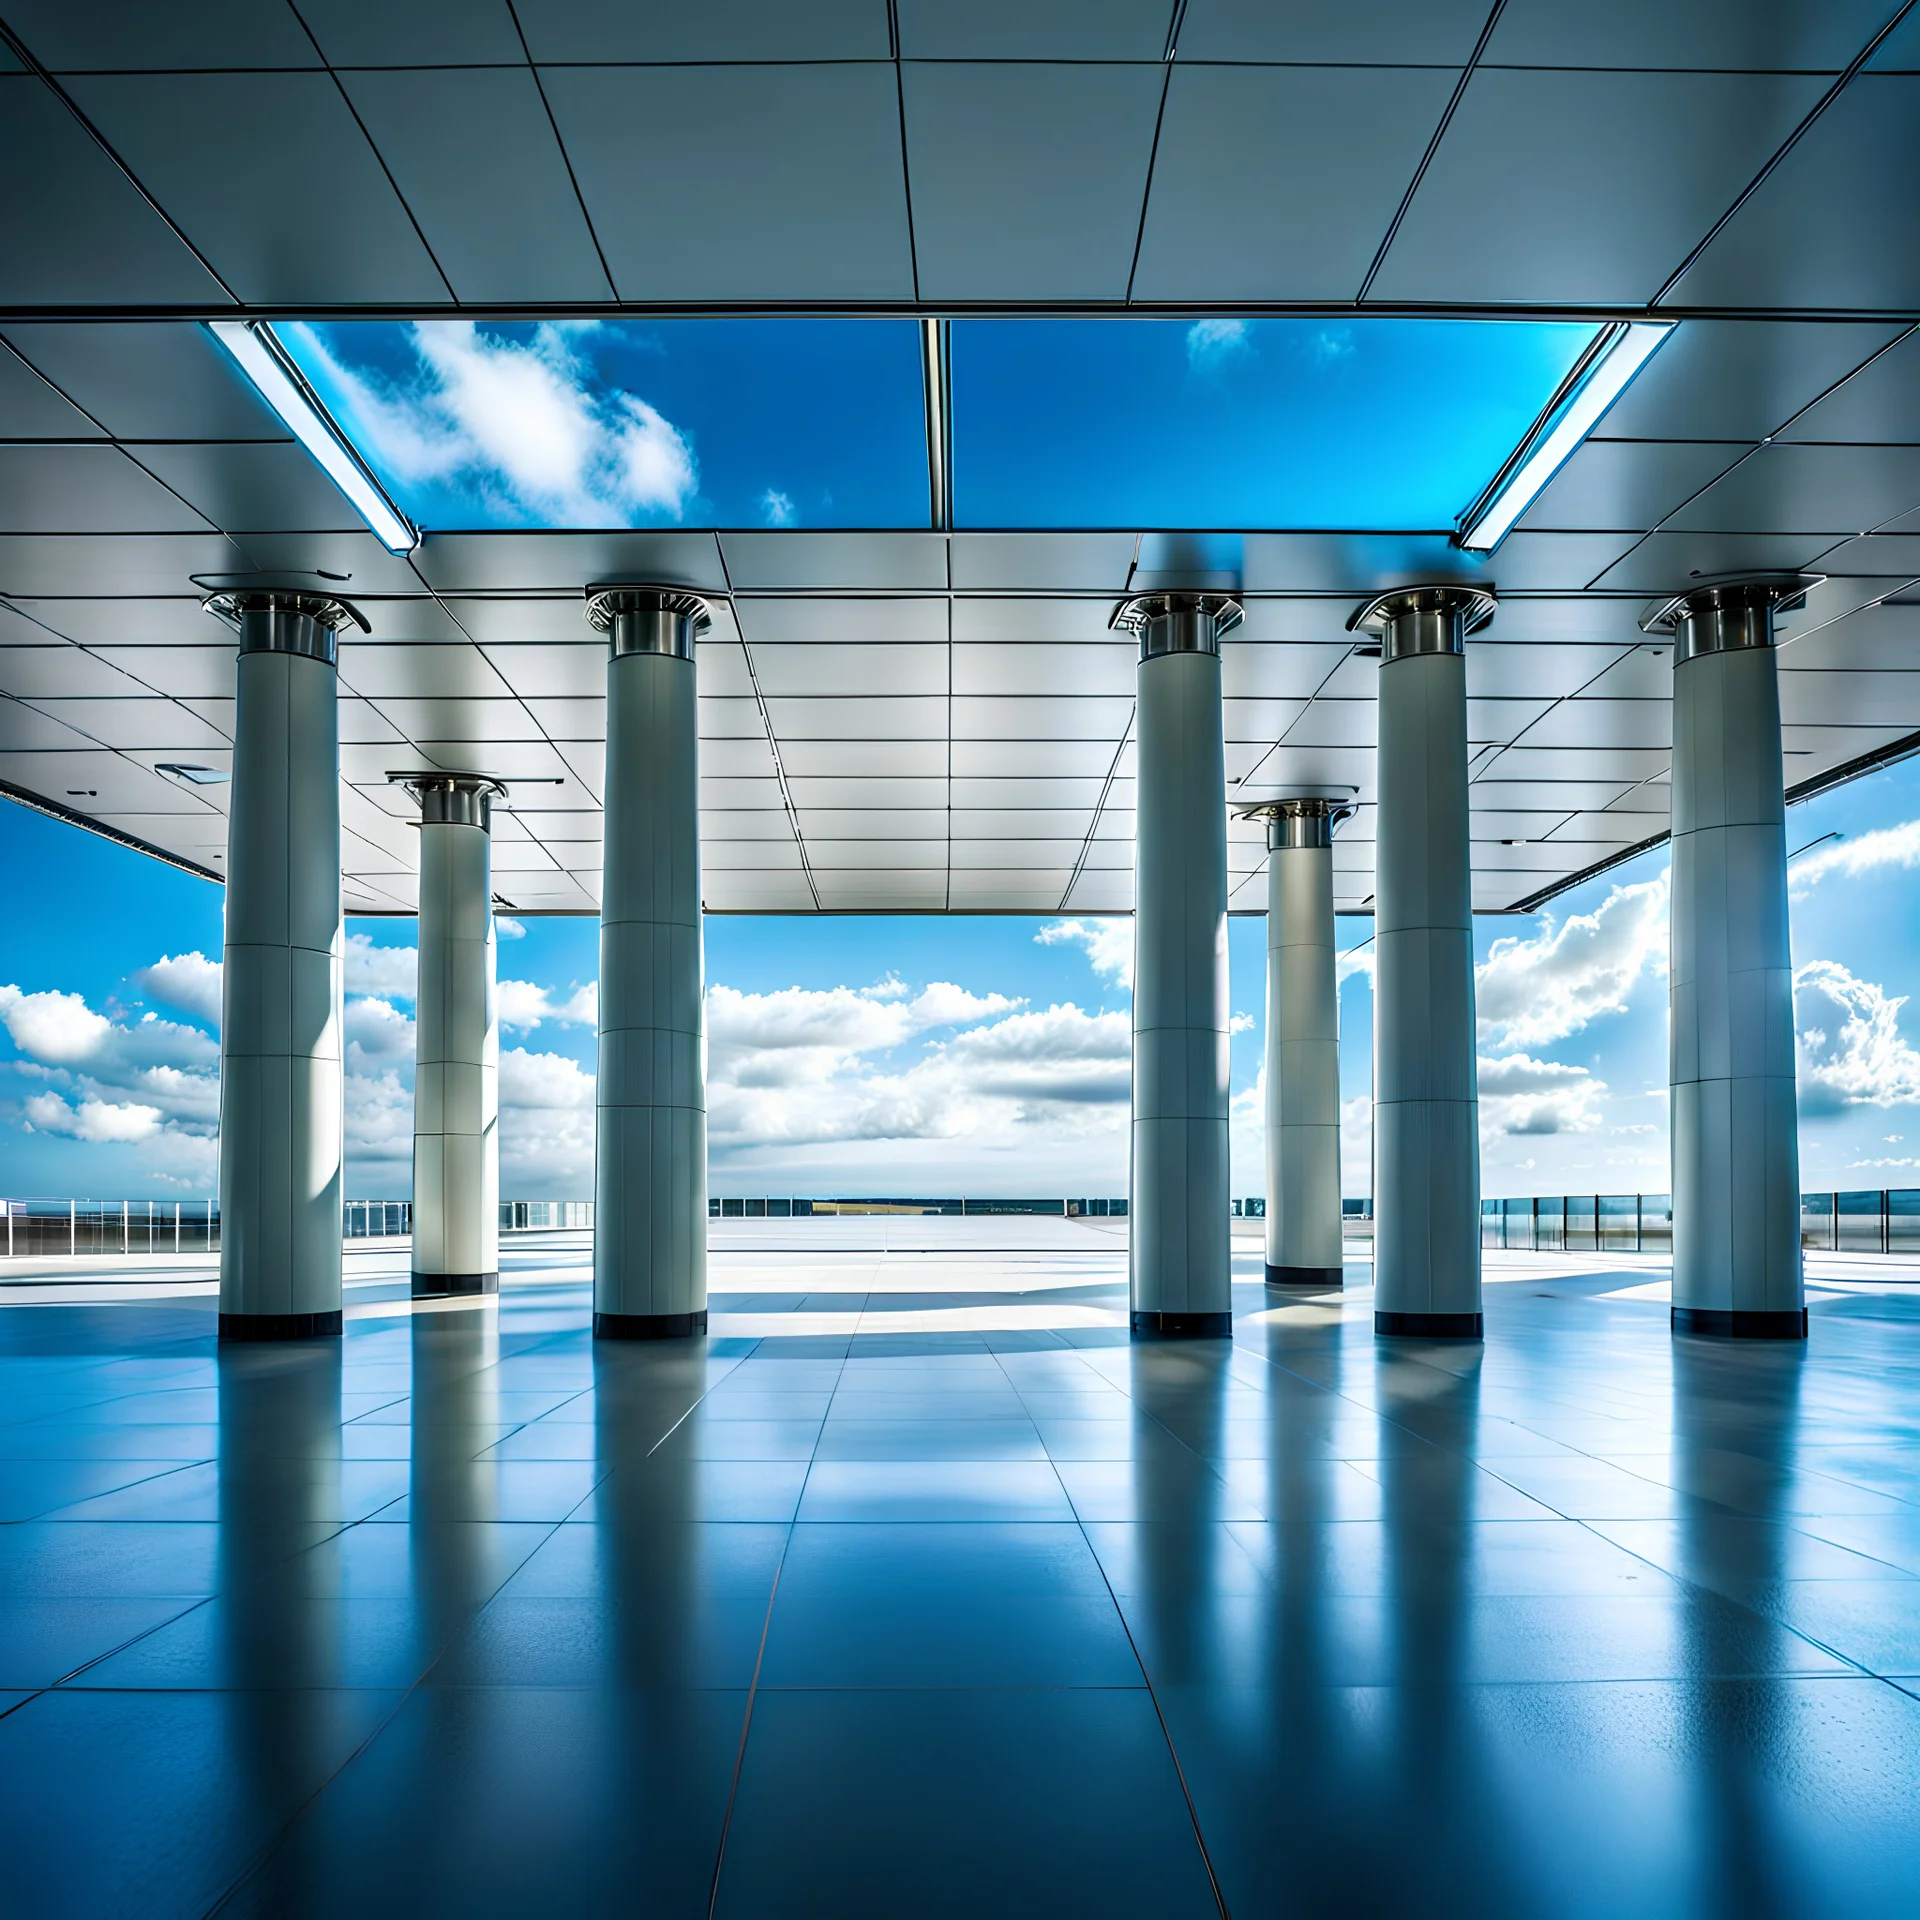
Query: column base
1320,1278
1432,1326
438,1286
280,1326
649,1326
1183,1326
1786,1324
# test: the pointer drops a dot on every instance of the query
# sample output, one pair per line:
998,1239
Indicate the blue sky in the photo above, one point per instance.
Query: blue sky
821,423
921,1054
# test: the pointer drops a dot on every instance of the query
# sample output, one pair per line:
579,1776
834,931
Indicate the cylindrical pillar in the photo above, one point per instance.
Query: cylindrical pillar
650,1185
1303,1047
280,1041
1180,1248
1426,1145
1736,1150
456,1083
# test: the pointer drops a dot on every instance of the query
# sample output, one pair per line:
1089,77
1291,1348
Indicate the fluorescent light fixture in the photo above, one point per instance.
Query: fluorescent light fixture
264,363
1593,386
193,776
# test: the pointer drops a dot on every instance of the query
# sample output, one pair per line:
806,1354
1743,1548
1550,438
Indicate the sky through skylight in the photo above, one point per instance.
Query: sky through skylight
598,423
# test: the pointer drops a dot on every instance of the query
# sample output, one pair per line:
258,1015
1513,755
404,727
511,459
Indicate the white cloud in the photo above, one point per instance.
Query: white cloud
390,973
1886,847
1212,344
1522,1095
1109,945
521,423
99,1122
1531,992
56,1029
523,1006
189,981
1355,960
778,508
376,1031
546,1126
506,927
1851,1053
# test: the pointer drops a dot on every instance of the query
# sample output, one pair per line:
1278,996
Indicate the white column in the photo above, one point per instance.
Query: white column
280,1041
456,1091
1426,1143
650,1188
1736,1149
1180,1249
1303,1048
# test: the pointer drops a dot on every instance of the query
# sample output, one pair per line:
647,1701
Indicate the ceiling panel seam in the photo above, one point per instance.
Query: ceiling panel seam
379,158
1153,150
773,742
1433,148
906,166
566,159
1099,807
32,64
1792,140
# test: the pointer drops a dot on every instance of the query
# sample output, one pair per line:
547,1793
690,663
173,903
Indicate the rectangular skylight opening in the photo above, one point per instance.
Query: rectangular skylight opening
675,423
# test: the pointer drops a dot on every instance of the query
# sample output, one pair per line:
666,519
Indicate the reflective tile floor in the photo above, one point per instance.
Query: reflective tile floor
917,1590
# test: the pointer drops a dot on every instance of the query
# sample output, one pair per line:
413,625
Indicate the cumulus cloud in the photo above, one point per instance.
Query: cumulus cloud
189,981
523,1006
376,1031
522,423
1109,945
1886,847
778,508
96,1121
1216,343
1356,960
388,973
506,927
1519,1095
56,1029
1530,992
1851,1052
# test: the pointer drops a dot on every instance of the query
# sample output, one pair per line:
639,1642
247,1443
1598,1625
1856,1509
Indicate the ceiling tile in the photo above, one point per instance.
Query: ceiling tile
804,199
842,625
149,380
604,31
1360,33
32,409
1049,206
1689,35
1823,231
423,33
239,486
566,563
1788,489
899,562
272,180
1628,485
73,228
82,36
824,668
1880,402
84,489
1624,172
474,154
1260,191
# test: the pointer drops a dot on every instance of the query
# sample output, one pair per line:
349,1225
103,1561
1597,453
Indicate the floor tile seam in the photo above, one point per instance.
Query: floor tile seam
163,1471
1133,1647
1899,1572
133,1640
759,1662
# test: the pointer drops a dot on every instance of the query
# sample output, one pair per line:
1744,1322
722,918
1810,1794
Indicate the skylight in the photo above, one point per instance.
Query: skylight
596,423
1384,425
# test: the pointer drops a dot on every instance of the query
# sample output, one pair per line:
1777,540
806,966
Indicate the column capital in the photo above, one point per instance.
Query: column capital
453,799
280,613
1307,820
1429,619
1175,622
645,617
1727,613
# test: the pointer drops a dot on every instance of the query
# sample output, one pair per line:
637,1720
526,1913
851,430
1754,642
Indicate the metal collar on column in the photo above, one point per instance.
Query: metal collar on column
639,618
280,613
453,799
1435,619
1726,614
1305,822
1178,622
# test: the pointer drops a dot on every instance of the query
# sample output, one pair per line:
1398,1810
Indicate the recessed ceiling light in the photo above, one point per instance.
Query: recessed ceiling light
1592,389
194,776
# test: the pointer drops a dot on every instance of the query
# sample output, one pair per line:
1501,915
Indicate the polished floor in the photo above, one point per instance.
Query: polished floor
918,1590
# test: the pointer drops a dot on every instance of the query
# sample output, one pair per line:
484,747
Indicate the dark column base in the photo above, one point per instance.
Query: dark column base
1183,1326
279,1326
649,1326
1432,1326
437,1286
1786,1325
1318,1277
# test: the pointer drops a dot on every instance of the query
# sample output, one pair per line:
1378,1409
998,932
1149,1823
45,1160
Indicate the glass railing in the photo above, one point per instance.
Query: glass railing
73,1227
1886,1221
